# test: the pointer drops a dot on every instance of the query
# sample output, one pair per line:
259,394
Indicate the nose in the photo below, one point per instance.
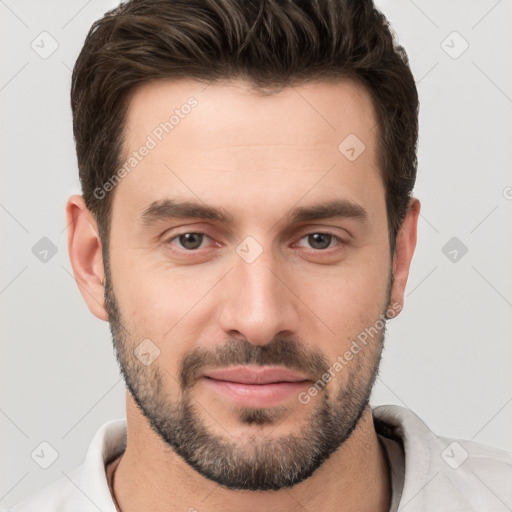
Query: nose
258,303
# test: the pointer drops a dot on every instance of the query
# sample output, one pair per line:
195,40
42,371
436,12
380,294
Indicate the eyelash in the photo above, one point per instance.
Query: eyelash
340,241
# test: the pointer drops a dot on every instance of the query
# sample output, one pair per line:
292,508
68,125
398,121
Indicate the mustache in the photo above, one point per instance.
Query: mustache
279,352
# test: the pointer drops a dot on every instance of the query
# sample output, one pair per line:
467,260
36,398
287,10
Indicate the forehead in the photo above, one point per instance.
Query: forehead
227,141
310,113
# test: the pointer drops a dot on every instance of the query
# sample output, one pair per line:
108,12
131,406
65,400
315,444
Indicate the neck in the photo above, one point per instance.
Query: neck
150,476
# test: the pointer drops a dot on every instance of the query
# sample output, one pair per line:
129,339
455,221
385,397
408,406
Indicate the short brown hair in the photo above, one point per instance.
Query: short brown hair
270,44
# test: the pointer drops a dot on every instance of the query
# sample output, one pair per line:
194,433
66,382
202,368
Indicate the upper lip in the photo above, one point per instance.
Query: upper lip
256,374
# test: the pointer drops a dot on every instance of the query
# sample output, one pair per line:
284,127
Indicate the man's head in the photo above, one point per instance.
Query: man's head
270,44
259,229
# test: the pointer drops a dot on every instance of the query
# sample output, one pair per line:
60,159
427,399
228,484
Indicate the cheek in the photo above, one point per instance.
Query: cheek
168,306
351,308
348,298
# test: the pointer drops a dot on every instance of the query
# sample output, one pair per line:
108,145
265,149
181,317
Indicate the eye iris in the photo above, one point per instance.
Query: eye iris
320,240
194,240
191,240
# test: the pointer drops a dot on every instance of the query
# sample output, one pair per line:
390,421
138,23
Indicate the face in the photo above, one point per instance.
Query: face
248,275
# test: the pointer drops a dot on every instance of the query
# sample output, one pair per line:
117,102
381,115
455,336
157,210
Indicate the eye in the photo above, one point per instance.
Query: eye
189,241
193,241
321,241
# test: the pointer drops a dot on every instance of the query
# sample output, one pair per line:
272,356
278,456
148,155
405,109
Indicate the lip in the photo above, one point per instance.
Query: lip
254,386
256,374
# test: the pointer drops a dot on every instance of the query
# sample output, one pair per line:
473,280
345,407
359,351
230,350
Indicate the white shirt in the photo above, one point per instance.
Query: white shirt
429,472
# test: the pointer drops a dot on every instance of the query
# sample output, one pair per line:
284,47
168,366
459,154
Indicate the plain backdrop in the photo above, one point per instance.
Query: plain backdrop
447,357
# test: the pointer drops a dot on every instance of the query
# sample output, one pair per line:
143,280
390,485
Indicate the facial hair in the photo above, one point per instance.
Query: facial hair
258,462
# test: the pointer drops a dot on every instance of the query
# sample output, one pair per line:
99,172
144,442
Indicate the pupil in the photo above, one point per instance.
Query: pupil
191,240
320,240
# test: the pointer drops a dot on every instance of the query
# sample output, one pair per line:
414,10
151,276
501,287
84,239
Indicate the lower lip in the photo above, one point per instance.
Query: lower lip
257,395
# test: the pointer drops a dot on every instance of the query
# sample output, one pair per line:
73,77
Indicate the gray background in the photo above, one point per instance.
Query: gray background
448,356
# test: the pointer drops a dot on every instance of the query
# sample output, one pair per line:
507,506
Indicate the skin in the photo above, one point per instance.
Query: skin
258,157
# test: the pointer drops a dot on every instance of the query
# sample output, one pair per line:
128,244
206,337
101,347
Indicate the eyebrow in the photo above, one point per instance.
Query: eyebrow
168,209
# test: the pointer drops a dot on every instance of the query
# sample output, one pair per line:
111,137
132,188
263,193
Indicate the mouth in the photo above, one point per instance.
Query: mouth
256,386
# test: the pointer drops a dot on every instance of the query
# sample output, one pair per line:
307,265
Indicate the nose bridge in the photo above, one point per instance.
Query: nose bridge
257,304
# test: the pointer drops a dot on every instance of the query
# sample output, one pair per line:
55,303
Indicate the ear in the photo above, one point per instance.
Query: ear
84,247
404,250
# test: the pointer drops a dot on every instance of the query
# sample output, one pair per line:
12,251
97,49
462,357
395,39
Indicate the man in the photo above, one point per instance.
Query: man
246,228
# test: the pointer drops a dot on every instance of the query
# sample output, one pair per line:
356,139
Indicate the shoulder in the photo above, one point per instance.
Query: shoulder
59,495
85,488
454,474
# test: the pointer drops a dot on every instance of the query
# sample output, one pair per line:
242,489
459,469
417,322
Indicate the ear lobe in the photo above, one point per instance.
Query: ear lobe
85,253
404,250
